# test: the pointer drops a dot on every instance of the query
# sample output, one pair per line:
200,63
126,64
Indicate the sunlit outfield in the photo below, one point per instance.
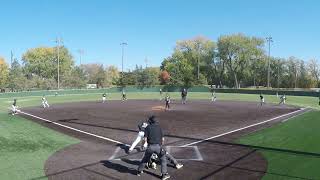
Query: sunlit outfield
25,145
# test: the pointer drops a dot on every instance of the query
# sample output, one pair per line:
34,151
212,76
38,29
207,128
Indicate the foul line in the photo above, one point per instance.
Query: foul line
236,130
74,129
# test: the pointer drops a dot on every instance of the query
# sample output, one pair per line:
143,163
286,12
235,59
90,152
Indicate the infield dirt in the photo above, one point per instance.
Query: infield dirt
95,158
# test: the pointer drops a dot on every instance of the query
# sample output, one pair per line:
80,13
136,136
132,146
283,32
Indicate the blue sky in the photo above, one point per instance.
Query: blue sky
151,28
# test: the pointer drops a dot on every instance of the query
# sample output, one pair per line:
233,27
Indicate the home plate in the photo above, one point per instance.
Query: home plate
188,153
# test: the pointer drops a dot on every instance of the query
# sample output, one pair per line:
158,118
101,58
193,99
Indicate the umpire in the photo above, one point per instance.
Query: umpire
154,136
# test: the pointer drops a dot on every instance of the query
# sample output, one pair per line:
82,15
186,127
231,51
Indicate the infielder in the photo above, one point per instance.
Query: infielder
184,96
142,126
160,94
167,100
261,100
44,102
14,107
124,96
283,99
104,97
213,96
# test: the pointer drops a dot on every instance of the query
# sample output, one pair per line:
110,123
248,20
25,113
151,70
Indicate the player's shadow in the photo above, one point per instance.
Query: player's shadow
118,167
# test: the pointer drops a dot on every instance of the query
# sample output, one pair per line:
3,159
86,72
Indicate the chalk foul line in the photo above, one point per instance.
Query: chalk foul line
246,127
71,128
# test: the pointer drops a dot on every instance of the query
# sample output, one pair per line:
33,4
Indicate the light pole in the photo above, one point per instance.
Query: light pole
269,40
122,45
58,41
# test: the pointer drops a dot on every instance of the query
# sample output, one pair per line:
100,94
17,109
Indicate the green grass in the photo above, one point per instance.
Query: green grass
300,134
25,146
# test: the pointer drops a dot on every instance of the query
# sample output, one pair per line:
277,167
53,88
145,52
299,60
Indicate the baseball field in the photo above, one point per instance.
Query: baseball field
79,137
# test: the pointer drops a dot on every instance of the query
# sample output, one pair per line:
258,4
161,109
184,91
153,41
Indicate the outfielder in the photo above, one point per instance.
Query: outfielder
44,102
142,126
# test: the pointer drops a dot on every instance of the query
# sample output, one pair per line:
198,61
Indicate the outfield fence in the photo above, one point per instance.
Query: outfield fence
156,89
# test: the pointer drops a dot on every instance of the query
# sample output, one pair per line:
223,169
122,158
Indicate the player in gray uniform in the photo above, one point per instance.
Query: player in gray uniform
142,126
213,96
184,96
44,102
14,107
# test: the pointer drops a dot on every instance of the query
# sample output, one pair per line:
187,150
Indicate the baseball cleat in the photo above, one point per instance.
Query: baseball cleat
179,166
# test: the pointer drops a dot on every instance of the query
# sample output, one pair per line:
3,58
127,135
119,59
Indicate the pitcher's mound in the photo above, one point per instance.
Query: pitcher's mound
158,108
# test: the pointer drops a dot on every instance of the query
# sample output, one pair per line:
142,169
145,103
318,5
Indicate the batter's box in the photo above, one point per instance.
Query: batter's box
188,153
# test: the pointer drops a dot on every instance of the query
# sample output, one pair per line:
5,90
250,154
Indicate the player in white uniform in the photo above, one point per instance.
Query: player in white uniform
142,126
283,99
44,102
104,97
14,107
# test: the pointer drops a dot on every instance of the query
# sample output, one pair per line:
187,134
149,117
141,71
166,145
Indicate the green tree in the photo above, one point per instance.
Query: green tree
42,61
17,79
237,51
75,79
94,73
112,76
4,73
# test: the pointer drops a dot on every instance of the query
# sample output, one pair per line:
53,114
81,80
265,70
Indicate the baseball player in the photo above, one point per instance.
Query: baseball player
104,97
160,94
184,96
213,96
44,102
154,160
124,96
142,126
261,100
167,100
283,99
14,107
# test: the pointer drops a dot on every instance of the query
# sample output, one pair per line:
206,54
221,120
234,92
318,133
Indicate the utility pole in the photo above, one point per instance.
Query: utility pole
11,58
122,45
269,40
81,52
58,41
146,61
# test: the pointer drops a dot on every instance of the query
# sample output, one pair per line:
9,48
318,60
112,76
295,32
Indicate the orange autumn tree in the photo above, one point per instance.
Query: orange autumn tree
164,77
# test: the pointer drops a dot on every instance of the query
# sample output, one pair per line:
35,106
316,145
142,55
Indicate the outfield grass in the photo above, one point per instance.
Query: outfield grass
25,145
300,134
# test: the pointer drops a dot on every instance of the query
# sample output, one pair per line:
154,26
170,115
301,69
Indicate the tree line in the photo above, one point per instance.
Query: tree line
233,61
